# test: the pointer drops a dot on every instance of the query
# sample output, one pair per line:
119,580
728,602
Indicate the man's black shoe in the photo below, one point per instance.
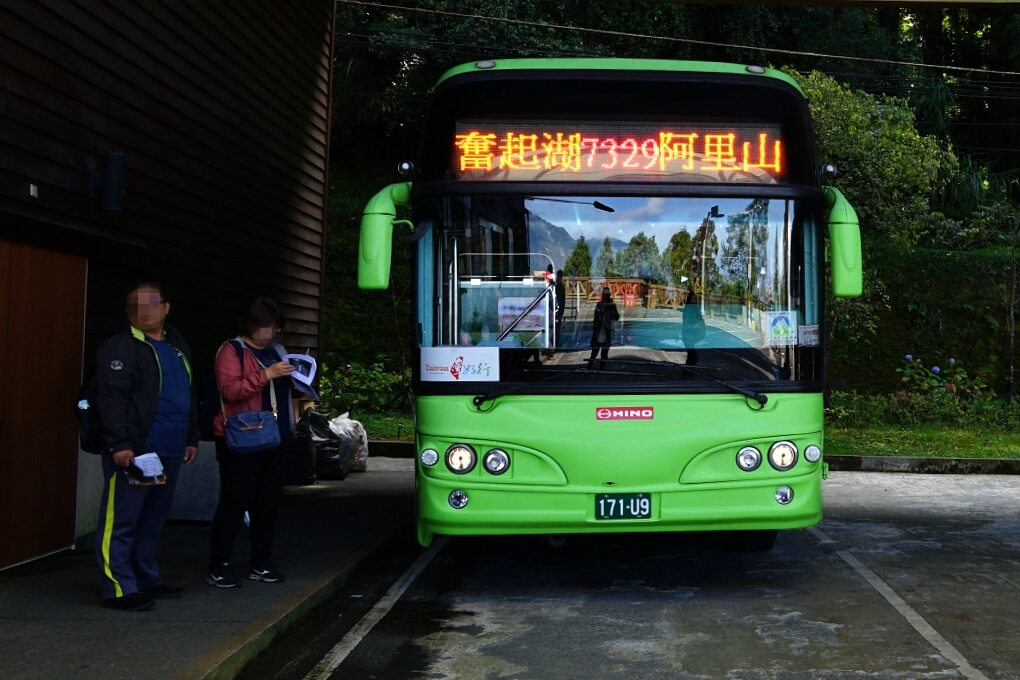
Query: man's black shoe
165,592
135,602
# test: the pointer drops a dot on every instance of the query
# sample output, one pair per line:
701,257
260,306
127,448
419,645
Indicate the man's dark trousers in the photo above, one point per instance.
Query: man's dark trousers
131,518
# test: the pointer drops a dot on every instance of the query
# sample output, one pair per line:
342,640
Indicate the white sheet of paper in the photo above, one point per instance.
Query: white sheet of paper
149,464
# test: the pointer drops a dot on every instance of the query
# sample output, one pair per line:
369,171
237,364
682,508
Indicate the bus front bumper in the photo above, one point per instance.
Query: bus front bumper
503,509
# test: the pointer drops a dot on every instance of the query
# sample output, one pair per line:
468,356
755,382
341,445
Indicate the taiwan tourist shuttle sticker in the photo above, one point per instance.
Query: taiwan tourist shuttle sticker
780,328
459,364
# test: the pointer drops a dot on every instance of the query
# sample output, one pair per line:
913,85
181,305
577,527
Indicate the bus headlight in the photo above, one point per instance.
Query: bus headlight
429,457
460,459
748,458
783,456
496,461
813,453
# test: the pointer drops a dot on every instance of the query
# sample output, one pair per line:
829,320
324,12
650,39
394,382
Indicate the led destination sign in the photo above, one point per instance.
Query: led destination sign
587,152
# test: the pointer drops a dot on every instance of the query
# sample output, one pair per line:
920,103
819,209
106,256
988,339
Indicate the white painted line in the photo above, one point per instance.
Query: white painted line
332,660
934,638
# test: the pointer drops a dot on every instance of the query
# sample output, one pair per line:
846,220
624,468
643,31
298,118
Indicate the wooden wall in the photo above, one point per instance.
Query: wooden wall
222,111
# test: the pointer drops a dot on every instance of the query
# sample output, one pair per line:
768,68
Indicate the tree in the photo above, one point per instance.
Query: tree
886,169
605,263
746,241
579,261
641,260
678,257
705,259
1003,220
888,172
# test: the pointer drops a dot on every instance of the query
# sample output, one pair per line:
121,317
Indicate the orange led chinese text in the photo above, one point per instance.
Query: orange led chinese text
519,152
476,150
719,152
562,151
775,164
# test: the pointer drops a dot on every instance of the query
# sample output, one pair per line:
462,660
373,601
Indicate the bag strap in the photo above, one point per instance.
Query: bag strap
240,348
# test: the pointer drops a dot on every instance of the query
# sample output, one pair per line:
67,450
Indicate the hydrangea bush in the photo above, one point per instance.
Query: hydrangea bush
941,394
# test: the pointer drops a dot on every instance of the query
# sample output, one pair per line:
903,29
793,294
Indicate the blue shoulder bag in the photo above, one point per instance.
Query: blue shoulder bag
252,431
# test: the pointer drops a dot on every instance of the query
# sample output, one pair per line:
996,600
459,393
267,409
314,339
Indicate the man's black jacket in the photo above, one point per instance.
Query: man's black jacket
128,383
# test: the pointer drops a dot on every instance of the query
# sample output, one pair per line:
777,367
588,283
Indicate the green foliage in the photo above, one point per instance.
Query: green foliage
678,257
937,303
952,297
578,263
605,262
363,389
920,380
641,260
886,169
943,394
853,411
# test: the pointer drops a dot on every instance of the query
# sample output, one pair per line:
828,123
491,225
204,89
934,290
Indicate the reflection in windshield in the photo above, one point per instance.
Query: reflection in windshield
686,279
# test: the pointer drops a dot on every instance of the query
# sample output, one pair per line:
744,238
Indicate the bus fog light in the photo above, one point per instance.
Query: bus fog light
458,499
460,459
784,495
429,457
812,454
748,458
496,461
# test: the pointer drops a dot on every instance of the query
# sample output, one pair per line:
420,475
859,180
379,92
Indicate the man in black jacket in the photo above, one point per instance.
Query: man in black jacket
146,405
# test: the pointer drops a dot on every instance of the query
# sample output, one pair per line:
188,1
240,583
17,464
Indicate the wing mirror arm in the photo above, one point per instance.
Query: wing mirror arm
375,245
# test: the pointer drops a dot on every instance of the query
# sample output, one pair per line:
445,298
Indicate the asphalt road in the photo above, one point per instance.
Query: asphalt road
909,576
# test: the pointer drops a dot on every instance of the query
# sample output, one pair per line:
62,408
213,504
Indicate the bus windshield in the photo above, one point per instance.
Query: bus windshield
618,285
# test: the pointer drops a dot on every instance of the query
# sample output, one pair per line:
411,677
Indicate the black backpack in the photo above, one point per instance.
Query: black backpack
90,432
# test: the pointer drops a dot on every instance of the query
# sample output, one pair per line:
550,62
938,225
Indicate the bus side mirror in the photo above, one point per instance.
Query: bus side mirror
845,245
375,245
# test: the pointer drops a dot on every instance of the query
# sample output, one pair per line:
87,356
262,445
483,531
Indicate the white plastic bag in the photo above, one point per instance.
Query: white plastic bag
354,432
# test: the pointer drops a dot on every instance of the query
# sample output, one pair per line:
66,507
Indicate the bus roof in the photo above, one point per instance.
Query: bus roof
615,64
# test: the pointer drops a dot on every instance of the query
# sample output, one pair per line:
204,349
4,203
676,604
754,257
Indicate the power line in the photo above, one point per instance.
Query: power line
689,41
433,46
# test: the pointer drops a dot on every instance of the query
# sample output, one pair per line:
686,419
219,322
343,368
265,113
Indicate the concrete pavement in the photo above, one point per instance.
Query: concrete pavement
52,625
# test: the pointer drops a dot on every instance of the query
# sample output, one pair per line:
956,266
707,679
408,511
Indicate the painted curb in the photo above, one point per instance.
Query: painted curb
944,466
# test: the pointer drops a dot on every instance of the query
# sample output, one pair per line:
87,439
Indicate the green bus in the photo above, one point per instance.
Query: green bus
620,270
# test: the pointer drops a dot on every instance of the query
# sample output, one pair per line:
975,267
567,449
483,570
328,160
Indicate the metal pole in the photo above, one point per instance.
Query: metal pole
704,240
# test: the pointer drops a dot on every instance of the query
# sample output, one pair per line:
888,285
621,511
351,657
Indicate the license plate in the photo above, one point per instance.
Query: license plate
623,506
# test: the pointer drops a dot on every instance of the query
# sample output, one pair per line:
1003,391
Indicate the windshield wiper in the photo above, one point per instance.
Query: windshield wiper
757,396
496,394
762,399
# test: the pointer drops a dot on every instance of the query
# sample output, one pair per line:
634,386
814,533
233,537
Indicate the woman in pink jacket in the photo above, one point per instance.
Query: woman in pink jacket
246,368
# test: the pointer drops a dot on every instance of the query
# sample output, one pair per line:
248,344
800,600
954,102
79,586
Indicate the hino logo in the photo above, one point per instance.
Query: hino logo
625,413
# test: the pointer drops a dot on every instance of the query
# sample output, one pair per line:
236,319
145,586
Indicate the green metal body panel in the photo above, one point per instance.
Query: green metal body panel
562,456
845,241
375,246
613,64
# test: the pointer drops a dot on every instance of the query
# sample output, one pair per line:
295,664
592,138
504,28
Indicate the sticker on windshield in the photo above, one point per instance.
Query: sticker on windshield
780,328
459,364
808,335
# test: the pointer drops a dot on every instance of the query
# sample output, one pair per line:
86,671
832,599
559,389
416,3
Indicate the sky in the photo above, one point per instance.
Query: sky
658,216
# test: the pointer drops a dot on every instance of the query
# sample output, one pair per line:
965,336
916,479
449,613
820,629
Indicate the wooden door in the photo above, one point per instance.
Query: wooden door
42,313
